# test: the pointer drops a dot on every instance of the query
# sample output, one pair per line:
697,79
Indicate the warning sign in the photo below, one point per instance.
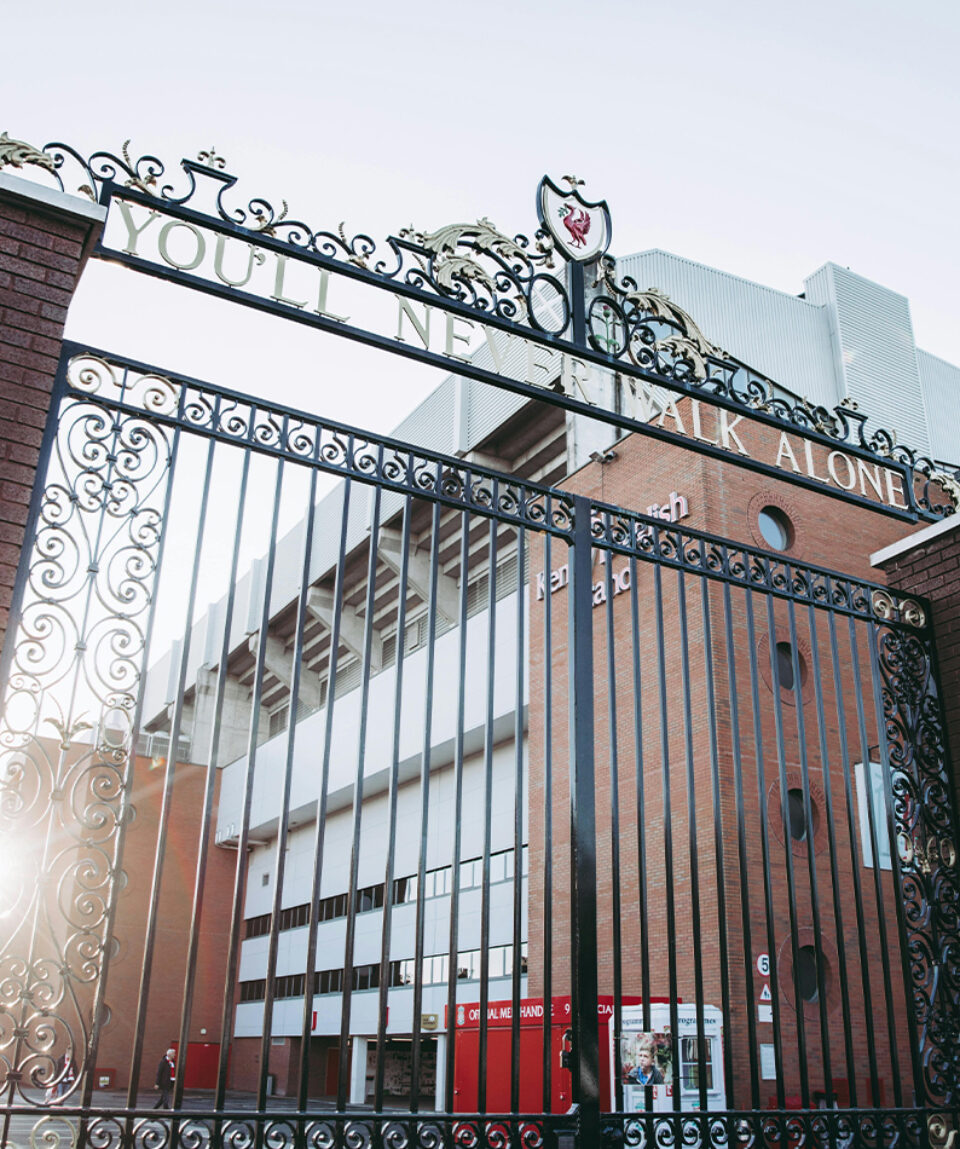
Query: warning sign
765,994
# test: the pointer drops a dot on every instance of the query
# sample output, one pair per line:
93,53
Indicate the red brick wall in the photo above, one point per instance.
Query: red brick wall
724,499
174,919
932,569
41,256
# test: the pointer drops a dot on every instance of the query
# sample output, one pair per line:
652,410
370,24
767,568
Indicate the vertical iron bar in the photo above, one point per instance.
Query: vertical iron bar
578,303
669,890
640,796
871,1042
455,853
877,876
425,765
718,835
836,890
488,737
454,942
283,830
583,833
348,948
547,1047
811,852
207,814
692,845
743,862
387,921
240,872
150,934
518,807
788,852
898,884
616,1023
765,846
322,795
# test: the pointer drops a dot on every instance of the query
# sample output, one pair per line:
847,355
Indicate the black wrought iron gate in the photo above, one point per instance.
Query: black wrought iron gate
453,802
413,802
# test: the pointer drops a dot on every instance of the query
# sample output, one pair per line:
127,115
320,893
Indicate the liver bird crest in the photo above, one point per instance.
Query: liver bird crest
577,222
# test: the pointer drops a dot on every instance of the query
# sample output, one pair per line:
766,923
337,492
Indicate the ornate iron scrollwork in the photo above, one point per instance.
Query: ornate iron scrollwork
342,450
66,735
926,855
512,280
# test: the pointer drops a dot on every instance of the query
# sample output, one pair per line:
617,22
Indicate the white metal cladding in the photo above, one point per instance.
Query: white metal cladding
487,407
431,423
785,337
877,357
941,388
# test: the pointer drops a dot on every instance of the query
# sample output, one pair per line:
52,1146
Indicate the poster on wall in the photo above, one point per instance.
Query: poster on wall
647,1067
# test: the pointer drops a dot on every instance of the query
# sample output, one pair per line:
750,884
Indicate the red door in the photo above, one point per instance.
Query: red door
203,1059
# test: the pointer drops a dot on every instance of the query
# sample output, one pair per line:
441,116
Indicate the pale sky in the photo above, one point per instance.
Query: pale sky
760,138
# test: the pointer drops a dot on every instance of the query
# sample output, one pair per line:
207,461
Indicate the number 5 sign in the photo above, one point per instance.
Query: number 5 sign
763,965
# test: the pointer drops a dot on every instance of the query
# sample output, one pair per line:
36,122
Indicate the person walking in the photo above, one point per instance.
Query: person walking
166,1071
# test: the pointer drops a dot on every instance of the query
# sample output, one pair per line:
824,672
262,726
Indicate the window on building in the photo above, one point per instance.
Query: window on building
776,528
785,665
278,720
690,1063
807,969
796,815
873,788
439,882
369,898
258,926
436,967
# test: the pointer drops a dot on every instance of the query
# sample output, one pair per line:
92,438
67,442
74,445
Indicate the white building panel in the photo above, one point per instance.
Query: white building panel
941,391
877,358
271,757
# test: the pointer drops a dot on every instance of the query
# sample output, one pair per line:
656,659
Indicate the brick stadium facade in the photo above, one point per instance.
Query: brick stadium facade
44,238
725,500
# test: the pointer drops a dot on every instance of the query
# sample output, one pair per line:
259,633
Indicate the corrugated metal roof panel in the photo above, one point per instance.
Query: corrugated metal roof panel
783,336
877,354
941,390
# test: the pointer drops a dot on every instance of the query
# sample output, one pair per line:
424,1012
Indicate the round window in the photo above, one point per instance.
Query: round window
807,973
776,528
796,815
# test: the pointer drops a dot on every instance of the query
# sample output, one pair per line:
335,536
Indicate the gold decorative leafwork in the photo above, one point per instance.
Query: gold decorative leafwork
16,153
886,607
212,159
687,343
451,265
950,486
912,612
147,185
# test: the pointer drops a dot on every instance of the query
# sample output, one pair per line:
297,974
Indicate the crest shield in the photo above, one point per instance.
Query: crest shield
580,229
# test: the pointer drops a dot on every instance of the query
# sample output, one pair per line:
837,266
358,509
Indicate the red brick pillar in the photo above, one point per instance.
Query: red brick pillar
928,563
45,238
